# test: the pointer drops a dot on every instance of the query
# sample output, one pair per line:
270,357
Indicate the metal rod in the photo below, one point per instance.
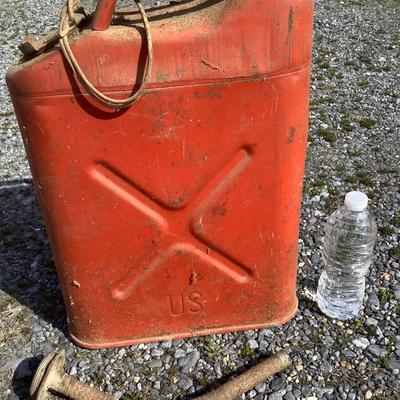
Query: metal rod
250,378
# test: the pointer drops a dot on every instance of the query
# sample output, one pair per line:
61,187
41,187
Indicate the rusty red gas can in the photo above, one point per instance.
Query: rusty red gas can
178,215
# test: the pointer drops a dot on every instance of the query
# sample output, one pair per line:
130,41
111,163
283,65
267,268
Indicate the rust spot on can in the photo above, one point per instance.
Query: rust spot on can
290,26
219,210
292,134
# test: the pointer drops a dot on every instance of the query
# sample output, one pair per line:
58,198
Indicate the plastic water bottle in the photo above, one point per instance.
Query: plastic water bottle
350,236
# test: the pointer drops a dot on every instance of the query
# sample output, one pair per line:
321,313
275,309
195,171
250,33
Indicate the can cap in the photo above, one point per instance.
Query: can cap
356,201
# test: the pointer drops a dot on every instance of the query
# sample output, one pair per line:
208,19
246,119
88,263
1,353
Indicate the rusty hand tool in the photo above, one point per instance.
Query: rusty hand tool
250,378
50,376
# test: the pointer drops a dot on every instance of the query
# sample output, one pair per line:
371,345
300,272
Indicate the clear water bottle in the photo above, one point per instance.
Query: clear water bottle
350,236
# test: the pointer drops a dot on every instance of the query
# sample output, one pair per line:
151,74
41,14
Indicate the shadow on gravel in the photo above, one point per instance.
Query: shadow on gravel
27,270
23,375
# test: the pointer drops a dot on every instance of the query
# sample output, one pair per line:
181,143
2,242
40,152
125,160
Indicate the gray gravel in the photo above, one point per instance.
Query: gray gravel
354,139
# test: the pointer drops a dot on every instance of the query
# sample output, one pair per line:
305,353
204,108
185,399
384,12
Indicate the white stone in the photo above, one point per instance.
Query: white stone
361,342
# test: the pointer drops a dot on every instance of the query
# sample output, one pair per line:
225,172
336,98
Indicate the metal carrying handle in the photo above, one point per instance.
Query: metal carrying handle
103,17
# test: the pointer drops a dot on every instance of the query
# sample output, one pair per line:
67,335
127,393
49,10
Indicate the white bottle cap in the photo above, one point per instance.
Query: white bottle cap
356,201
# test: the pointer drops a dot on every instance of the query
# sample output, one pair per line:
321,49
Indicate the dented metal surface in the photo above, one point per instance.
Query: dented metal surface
178,216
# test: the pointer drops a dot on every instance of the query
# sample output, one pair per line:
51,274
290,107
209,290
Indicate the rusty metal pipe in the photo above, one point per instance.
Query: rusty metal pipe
249,379
103,15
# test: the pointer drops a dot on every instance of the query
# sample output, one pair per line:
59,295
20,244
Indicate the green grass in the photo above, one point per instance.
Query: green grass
230,370
386,230
331,204
384,295
365,59
384,363
351,179
213,349
3,304
357,325
26,331
372,330
395,252
396,220
367,123
388,170
351,63
345,123
319,184
333,190
327,134
363,83
364,178
203,380
97,378
80,356
340,168
130,396
247,352
172,373
302,380
355,153
391,340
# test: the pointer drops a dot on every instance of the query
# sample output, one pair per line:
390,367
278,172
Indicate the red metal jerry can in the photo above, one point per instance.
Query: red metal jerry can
178,215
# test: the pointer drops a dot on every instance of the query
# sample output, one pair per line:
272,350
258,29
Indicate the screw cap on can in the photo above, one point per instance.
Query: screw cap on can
356,201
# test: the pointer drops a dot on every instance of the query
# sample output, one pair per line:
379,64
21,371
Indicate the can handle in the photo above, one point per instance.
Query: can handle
104,12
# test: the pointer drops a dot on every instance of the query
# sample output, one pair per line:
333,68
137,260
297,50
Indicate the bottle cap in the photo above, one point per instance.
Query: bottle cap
356,201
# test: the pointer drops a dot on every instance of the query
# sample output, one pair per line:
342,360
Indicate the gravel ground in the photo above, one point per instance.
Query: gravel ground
353,138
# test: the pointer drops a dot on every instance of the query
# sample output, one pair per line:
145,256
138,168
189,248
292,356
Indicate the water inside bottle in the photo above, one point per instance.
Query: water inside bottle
347,255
